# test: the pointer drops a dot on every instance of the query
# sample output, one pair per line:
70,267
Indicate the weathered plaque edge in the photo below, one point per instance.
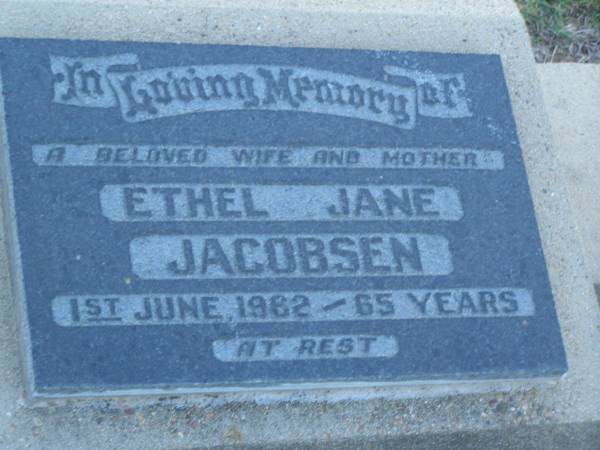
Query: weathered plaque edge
539,210
13,252
406,389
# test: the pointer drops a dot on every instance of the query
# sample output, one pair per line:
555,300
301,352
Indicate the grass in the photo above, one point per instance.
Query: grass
565,30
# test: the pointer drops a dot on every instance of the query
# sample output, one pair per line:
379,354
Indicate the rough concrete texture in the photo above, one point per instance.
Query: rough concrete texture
572,95
564,415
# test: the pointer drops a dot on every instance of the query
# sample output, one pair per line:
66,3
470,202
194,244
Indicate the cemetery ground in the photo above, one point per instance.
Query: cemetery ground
563,30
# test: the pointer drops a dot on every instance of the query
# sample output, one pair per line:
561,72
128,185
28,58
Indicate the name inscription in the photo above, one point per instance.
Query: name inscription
188,202
167,257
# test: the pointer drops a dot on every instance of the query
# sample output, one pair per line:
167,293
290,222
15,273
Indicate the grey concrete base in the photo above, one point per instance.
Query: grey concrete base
572,97
563,415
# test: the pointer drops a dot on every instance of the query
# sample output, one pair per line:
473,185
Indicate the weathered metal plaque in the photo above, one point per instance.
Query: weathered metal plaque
209,217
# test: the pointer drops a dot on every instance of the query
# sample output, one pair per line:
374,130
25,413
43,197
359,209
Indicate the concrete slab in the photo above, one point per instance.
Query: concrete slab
558,416
572,96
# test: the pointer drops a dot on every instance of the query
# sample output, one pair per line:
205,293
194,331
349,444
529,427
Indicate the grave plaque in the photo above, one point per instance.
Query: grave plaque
209,217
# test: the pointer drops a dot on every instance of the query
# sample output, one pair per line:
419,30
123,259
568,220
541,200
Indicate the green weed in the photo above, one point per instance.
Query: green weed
559,17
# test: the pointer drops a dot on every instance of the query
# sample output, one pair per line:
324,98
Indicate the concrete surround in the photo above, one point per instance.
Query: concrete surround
572,97
563,415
